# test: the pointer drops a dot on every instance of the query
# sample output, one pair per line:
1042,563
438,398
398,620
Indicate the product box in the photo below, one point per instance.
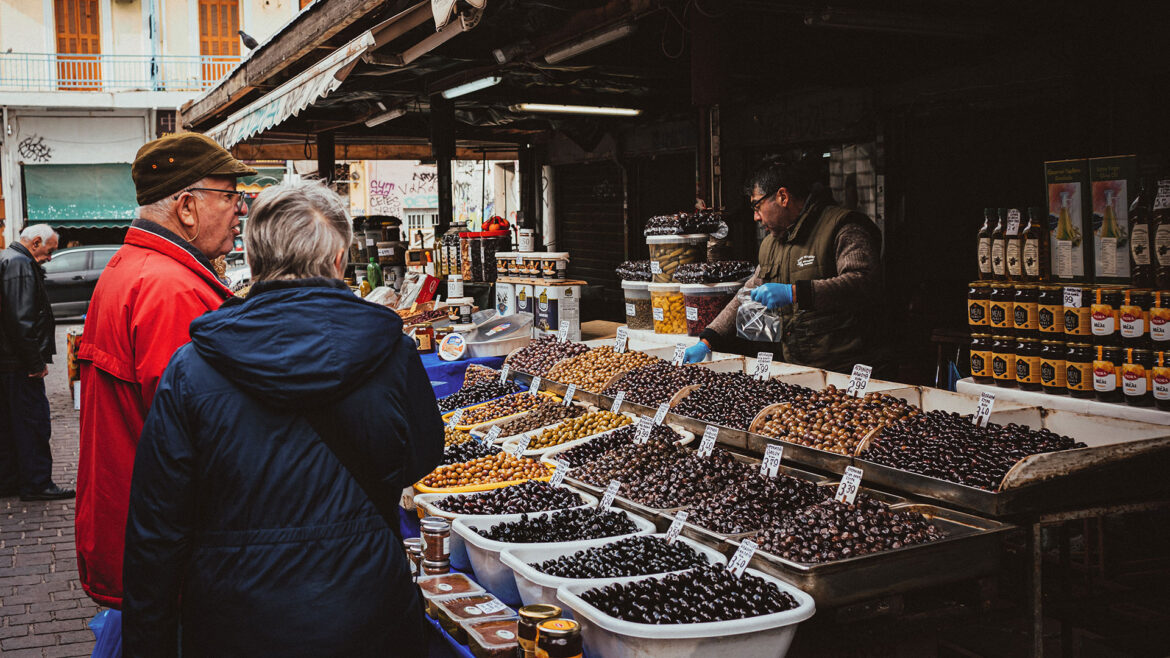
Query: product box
525,302
1069,207
555,304
505,299
1113,184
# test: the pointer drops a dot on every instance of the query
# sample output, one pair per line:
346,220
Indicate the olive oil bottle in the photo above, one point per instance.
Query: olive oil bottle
999,248
985,272
1034,258
1161,224
1140,248
1013,250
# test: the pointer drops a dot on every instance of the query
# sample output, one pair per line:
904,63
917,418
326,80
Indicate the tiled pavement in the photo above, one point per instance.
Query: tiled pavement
43,610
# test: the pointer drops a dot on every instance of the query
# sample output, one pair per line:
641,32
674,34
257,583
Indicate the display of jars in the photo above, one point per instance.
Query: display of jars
638,310
1001,309
1003,361
530,617
978,299
1105,313
1077,313
1078,368
981,358
1025,311
1050,311
1106,367
667,308
1028,364
1053,378
1137,375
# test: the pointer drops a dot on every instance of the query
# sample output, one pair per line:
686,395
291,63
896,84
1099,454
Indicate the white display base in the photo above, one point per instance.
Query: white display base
1067,403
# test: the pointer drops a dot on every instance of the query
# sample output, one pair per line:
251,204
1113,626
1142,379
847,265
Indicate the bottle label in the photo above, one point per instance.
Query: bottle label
1026,316
1013,222
1135,379
1162,245
1160,324
1046,318
1079,376
1076,321
1028,369
977,312
1031,258
1133,322
985,256
1013,258
1063,266
1161,383
1104,320
999,315
1052,374
1162,200
1003,366
979,363
1139,244
1107,257
997,257
1104,376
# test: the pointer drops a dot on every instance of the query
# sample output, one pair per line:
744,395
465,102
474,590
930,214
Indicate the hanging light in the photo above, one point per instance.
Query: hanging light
577,109
471,87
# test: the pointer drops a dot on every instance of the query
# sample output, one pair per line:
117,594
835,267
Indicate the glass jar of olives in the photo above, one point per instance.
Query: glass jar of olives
1003,361
1028,364
1078,368
1137,377
1106,365
1053,378
981,358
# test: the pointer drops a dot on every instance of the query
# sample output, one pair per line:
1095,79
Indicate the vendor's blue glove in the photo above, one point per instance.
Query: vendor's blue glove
696,353
773,295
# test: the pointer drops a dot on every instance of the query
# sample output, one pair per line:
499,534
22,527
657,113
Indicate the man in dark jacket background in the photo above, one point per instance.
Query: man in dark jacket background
247,521
27,346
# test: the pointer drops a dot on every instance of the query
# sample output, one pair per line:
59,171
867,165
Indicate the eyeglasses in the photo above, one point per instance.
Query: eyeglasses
760,201
239,196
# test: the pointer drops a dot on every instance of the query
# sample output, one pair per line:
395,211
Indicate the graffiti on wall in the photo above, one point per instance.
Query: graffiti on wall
34,149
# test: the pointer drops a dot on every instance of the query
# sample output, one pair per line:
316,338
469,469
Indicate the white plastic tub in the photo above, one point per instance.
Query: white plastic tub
538,587
459,559
497,578
550,456
766,636
511,441
482,429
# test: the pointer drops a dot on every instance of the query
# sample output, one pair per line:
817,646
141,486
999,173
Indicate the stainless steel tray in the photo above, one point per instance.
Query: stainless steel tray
971,548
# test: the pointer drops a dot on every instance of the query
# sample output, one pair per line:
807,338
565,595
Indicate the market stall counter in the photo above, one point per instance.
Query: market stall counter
447,376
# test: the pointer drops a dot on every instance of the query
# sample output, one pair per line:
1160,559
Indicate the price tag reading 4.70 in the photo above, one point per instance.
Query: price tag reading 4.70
742,556
619,342
850,483
680,351
504,375
676,527
611,492
858,381
563,334
534,387
493,434
770,466
707,445
569,392
660,415
763,365
617,402
642,433
983,411
558,475
492,607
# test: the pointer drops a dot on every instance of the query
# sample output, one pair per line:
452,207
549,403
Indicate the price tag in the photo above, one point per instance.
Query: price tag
569,394
676,527
518,448
617,402
707,445
534,387
610,493
619,342
763,365
493,434
660,415
680,351
659,314
558,475
642,433
743,555
770,466
631,310
655,267
504,375
850,483
858,381
692,314
456,418
1072,297
563,334
983,411
492,607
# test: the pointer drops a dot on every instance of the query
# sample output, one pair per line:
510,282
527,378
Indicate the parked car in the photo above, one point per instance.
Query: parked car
71,275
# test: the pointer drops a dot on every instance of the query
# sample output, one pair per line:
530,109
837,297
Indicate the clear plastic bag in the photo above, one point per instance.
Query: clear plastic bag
753,320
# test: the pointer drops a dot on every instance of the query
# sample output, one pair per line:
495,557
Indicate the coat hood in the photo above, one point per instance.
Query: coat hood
298,343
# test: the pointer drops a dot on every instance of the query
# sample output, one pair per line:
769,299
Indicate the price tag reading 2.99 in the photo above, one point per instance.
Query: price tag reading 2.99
642,433
850,484
858,381
763,365
619,342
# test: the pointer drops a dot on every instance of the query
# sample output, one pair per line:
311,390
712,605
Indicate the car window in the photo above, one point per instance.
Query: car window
67,262
101,257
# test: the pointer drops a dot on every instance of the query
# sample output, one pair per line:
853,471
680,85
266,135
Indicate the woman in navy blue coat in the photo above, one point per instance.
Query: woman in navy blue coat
245,529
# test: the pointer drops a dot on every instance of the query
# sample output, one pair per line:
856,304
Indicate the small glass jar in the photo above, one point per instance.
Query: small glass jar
435,568
558,638
1077,314
424,336
1106,367
1105,313
1137,375
1001,309
1025,311
978,299
1078,368
1053,378
530,617
1134,318
413,547
1159,319
436,536
981,358
1028,364
1161,380
1003,361
1050,311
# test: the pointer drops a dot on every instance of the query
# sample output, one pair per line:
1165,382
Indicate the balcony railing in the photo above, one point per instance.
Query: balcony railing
69,72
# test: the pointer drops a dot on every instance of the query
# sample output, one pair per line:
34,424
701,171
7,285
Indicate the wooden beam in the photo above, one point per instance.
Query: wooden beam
363,152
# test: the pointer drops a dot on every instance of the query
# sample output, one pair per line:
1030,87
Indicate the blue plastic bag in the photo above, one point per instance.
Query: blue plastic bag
107,630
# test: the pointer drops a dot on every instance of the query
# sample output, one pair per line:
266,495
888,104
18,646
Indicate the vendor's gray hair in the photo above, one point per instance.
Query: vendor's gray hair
295,230
34,231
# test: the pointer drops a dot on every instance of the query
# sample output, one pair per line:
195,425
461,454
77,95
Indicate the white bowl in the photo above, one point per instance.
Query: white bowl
766,636
495,576
538,452
550,456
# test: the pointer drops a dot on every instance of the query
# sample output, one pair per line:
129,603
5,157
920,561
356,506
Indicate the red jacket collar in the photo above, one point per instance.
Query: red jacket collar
143,237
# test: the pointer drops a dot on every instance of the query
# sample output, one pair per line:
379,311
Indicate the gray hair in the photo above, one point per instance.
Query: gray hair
295,230
34,231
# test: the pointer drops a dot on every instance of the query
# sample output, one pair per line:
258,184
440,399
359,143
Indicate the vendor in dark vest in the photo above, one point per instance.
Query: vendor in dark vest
820,265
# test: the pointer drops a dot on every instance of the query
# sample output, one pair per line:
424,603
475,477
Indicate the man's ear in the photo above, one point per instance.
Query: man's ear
782,197
184,209
36,243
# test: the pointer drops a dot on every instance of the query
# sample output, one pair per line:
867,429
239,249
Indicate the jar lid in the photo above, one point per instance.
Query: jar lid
1026,340
635,285
1052,342
538,611
558,627
688,238
663,287
1026,286
1079,345
979,284
1049,286
729,287
981,335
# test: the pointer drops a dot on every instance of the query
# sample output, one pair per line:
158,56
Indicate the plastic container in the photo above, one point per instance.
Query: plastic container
760,637
497,637
455,611
667,308
667,252
497,578
554,265
501,336
536,586
446,586
704,301
638,313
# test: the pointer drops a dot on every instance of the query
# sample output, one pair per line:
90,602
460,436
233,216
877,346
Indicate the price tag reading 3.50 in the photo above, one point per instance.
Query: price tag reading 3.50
680,352
611,492
617,402
707,445
858,381
642,433
572,390
563,334
676,527
558,475
983,411
660,415
619,342
739,561
850,483
770,466
763,365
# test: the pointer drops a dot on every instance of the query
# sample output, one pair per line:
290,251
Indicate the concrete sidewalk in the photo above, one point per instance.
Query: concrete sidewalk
43,610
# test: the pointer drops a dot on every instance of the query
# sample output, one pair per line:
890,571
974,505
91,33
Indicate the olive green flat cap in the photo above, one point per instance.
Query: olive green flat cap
170,164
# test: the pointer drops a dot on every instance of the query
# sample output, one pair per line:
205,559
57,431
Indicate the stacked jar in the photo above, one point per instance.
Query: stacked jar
668,252
666,303
638,308
978,299
436,545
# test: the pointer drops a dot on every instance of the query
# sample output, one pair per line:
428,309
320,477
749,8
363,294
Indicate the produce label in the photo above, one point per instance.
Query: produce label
1013,221
563,334
850,483
692,314
738,562
456,418
983,411
504,375
1072,297
492,607
659,314
676,527
631,310
707,445
619,342
655,267
569,394
642,434
517,449
534,387
610,493
494,434
680,352
858,381
663,409
558,475
763,363
617,402
770,466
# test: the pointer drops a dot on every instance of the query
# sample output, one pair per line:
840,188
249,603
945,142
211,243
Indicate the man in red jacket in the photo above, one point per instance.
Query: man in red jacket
161,279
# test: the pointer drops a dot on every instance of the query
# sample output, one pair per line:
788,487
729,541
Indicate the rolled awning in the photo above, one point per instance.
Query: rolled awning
79,196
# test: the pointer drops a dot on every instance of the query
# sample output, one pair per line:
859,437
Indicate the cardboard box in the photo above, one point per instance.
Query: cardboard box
1113,185
1069,231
